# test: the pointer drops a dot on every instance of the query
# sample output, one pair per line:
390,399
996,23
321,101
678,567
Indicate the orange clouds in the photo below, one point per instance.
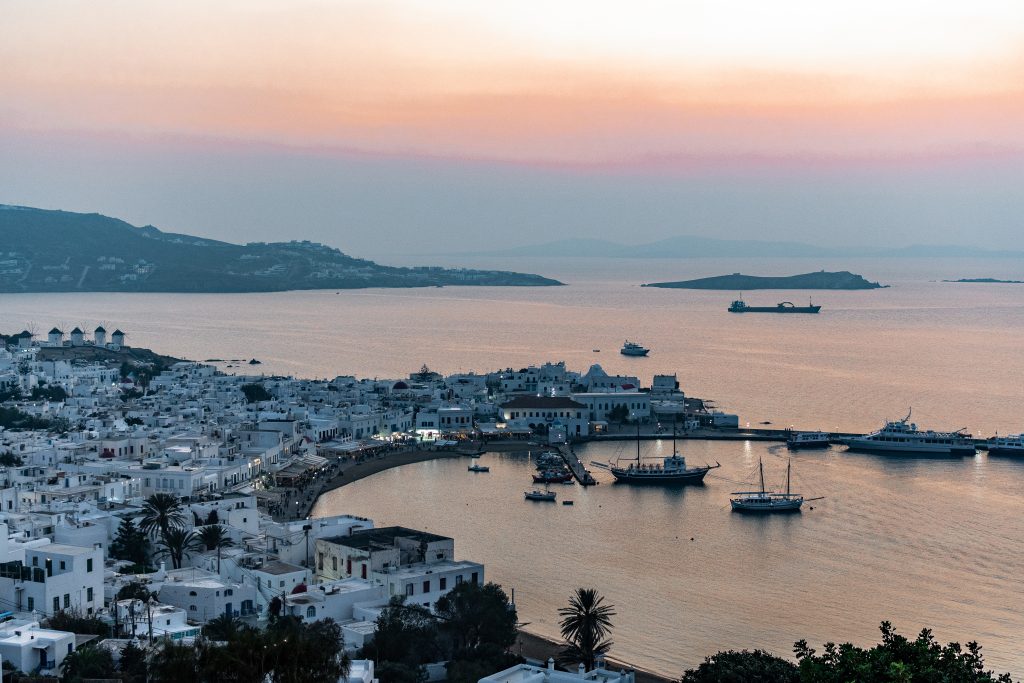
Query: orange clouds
393,78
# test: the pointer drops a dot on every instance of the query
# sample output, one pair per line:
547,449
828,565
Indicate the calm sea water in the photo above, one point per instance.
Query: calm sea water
954,352
935,543
921,542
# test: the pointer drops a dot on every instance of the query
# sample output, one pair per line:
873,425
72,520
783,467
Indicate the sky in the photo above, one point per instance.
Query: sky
452,125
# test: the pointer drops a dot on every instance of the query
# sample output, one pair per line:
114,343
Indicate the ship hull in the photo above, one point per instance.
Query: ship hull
1004,450
776,309
766,508
802,445
635,353
953,450
656,479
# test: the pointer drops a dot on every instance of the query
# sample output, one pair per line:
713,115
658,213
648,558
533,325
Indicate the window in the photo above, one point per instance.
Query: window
191,608
348,566
426,586
475,578
56,604
310,612
363,573
63,565
442,583
229,592
35,561
282,584
334,563
67,600
31,604
410,589
458,580
193,593
320,562
88,594
88,565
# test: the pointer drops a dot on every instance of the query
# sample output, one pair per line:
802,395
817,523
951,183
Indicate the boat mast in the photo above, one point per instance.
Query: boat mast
789,466
674,451
638,443
760,467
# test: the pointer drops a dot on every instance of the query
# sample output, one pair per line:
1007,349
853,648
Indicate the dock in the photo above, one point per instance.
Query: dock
575,465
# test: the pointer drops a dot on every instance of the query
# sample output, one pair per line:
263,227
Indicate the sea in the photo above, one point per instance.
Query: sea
934,543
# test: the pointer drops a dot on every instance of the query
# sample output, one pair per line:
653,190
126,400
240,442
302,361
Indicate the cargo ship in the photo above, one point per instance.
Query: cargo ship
739,306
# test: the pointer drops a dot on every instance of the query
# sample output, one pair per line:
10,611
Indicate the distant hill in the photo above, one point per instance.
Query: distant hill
987,280
60,251
739,282
690,246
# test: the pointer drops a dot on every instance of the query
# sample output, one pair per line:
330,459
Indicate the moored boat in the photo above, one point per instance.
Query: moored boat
798,440
670,471
552,477
478,468
768,501
547,496
1006,445
903,437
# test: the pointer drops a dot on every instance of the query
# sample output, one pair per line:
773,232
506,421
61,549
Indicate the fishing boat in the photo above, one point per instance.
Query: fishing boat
478,468
903,437
1006,445
634,349
552,477
670,471
768,501
547,496
798,440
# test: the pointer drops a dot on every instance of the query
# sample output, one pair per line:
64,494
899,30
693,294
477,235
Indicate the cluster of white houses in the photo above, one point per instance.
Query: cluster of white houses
191,432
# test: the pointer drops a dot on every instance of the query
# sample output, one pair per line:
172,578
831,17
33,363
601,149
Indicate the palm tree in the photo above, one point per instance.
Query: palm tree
161,513
586,625
215,537
176,543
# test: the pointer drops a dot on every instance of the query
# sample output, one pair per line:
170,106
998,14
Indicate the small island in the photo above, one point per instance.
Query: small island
988,280
739,282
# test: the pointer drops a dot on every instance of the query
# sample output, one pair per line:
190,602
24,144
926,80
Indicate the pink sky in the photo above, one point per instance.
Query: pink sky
687,81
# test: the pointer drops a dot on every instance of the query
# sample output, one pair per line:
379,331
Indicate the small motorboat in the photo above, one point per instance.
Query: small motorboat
478,468
566,502
547,496
552,477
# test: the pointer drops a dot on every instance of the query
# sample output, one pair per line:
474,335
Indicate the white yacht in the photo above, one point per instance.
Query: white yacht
1006,445
634,349
798,440
904,437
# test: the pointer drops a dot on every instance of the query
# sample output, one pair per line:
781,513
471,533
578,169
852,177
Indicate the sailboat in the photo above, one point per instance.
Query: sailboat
672,470
768,501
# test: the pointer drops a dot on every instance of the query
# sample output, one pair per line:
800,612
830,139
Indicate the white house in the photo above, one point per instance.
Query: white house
205,596
54,577
527,673
30,648
600,404
531,411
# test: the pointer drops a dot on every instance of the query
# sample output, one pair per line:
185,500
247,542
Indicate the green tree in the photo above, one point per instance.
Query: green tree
130,544
406,636
244,658
176,543
160,513
175,663
74,621
9,459
255,393
225,627
88,661
743,667
897,660
133,667
472,616
307,653
586,624
619,413
215,537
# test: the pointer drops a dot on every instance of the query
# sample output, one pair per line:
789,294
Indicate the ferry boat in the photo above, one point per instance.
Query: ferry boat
768,501
671,471
904,437
547,496
1006,445
634,349
798,440
739,306
478,468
